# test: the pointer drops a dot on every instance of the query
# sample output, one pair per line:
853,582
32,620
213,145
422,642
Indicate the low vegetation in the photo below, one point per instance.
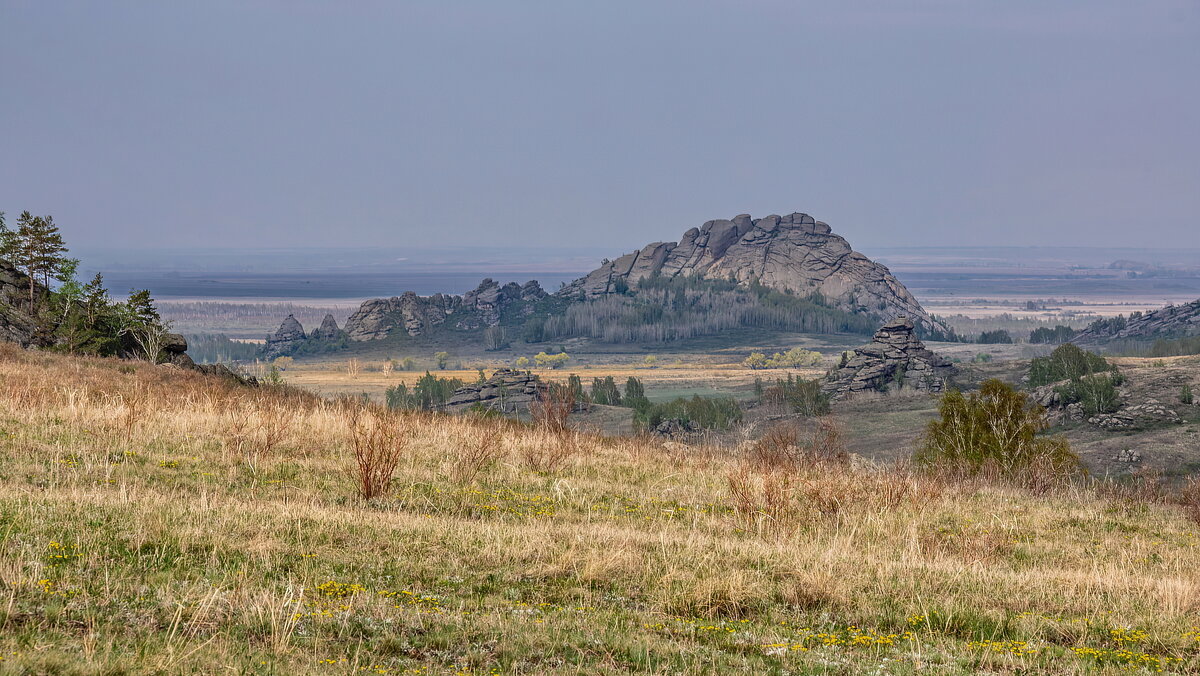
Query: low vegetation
156,520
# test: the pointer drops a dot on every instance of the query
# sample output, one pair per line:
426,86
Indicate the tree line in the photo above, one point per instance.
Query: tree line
72,316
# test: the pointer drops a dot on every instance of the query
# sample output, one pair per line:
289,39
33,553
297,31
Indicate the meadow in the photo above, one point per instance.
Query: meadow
154,520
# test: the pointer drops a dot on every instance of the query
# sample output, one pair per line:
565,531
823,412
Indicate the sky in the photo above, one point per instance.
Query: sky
610,124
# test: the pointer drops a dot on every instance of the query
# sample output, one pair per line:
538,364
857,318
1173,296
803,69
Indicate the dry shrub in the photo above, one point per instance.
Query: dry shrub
1188,499
780,447
377,444
479,450
275,419
548,451
235,433
1145,486
134,409
763,501
551,408
968,545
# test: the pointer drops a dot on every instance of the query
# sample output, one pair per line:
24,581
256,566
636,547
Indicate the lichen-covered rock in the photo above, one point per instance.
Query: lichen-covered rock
894,355
791,253
507,391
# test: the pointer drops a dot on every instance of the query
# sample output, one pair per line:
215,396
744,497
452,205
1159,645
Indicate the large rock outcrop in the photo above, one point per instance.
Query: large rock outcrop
415,315
328,331
16,324
1173,321
894,355
285,340
507,391
791,253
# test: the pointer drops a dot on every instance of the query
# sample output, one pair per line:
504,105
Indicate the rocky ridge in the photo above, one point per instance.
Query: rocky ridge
291,336
790,253
895,354
1173,321
415,315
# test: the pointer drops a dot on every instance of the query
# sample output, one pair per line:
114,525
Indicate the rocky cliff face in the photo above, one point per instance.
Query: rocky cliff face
415,315
895,354
794,253
16,325
1173,321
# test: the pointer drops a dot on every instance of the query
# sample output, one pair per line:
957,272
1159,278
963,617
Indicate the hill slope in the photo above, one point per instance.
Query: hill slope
156,520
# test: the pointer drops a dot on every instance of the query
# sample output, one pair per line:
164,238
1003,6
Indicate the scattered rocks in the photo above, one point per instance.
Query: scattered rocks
507,391
793,253
1148,412
175,355
676,429
1127,455
895,355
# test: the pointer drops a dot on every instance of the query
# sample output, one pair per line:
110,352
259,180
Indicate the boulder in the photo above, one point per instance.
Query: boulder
895,354
793,253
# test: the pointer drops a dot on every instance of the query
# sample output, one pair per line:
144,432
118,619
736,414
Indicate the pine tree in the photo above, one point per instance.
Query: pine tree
38,248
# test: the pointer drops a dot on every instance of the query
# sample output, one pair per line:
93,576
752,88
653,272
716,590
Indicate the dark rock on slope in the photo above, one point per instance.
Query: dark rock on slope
16,324
790,253
895,353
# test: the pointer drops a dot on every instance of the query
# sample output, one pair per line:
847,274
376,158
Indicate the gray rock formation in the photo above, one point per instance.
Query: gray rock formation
175,354
794,253
895,354
16,325
1147,413
416,315
507,391
1173,321
289,336
328,331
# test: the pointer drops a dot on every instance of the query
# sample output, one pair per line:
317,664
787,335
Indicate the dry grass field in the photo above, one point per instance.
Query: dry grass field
158,521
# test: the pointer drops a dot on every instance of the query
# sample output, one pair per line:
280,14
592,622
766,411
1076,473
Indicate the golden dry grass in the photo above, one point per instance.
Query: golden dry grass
157,521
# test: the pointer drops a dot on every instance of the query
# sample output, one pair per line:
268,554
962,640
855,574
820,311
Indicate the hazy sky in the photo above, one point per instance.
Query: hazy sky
609,124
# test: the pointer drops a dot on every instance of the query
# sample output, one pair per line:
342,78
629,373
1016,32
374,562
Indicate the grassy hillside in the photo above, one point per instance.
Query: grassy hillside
155,521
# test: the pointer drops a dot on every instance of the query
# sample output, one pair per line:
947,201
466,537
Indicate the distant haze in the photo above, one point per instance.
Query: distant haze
601,125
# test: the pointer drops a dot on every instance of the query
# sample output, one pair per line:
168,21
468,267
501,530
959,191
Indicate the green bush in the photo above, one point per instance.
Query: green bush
996,427
1185,394
429,392
1097,393
719,413
1067,362
802,396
